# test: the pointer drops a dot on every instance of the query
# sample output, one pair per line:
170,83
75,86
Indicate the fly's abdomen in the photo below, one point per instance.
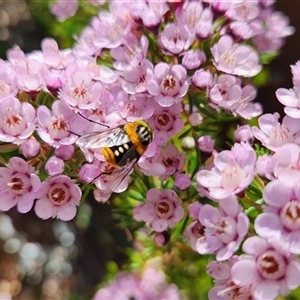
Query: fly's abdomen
120,155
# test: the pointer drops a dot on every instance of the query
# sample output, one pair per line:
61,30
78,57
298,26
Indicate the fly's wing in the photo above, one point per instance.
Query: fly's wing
113,181
107,138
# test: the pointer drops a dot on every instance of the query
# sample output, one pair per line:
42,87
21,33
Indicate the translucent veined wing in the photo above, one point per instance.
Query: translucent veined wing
113,181
108,138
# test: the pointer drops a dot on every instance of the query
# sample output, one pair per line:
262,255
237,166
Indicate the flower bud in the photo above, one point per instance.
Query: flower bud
65,152
188,143
30,148
89,172
206,143
161,238
193,59
54,166
243,134
195,118
182,181
202,79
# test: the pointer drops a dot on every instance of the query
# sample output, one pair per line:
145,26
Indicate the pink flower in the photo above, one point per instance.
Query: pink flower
56,126
228,94
64,9
232,172
272,134
296,74
165,122
196,19
150,13
225,288
80,91
150,285
8,81
235,59
291,100
17,120
167,83
175,39
28,70
163,209
18,185
58,197
268,268
224,229
280,220
131,53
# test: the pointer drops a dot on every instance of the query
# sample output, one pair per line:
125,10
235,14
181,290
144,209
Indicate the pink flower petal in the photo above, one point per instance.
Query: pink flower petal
44,209
239,274
66,212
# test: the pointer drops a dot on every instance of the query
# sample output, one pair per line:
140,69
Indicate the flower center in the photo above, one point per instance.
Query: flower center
232,175
198,229
164,121
225,229
290,215
271,265
235,292
80,93
169,85
14,123
280,135
59,127
19,184
164,208
228,59
59,194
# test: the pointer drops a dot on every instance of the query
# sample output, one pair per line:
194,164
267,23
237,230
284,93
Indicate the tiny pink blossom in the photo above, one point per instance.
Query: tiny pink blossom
224,229
56,127
279,220
165,122
17,120
269,268
236,59
232,172
80,91
58,197
175,39
18,185
163,209
167,83
272,134
64,9
291,101
224,287
8,80
296,74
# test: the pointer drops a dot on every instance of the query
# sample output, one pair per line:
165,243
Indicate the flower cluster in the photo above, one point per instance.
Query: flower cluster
149,286
178,69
